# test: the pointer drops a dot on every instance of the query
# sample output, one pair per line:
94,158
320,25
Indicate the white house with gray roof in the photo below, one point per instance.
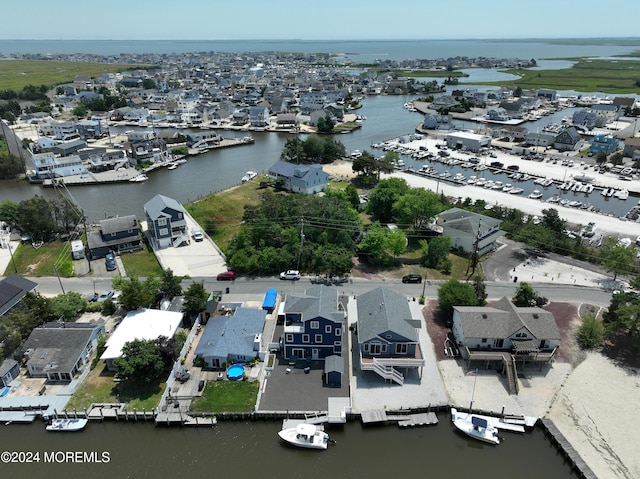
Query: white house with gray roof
387,334
307,179
465,228
232,338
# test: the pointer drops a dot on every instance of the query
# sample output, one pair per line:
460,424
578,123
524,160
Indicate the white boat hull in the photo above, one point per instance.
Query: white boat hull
475,427
67,425
306,436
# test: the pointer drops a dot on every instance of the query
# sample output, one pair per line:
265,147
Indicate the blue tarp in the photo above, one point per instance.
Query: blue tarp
270,299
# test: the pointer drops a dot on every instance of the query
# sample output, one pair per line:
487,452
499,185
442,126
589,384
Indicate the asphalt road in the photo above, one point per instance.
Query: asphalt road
554,292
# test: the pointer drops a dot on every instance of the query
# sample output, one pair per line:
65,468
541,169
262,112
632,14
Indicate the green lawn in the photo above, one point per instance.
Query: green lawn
99,387
141,263
40,262
227,396
221,214
16,74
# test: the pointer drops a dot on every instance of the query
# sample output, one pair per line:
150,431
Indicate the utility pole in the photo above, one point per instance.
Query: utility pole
473,259
301,242
86,236
55,268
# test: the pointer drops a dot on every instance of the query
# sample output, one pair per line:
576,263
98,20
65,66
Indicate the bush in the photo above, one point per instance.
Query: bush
590,333
109,307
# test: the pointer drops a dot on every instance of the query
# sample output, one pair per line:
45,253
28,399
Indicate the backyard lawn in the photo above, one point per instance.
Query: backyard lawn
43,261
99,387
227,396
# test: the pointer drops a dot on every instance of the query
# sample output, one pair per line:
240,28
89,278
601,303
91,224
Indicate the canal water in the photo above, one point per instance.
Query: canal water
252,449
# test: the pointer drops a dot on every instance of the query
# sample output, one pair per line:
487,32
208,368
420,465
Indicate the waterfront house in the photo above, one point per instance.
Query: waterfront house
12,289
119,235
567,139
307,179
166,223
540,138
313,324
234,337
632,148
59,350
464,140
605,143
387,335
259,116
143,325
470,231
47,165
504,334
9,370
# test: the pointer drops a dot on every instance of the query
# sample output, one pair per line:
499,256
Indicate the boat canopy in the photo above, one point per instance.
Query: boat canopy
479,421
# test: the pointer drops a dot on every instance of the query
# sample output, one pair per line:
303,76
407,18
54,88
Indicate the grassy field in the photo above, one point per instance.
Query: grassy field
607,76
141,263
4,149
99,387
221,214
40,262
16,74
227,396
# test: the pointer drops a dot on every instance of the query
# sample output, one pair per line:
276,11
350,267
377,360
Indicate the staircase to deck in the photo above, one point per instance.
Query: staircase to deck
509,364
387,372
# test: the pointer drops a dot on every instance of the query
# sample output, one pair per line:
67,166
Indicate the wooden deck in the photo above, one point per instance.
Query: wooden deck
404,420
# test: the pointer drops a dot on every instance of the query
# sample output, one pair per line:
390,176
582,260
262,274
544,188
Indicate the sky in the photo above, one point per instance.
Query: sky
317,20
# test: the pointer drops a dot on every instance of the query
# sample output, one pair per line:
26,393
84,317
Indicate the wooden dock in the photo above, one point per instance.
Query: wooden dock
567,450
403,420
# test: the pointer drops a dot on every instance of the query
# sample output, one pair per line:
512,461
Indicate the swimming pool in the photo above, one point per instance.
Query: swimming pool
235,372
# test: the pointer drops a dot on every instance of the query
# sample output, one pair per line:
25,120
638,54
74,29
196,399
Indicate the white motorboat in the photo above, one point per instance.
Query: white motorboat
172,166
139,178
535,195
306,435
75,424
515,191
622,194
475,427
248,176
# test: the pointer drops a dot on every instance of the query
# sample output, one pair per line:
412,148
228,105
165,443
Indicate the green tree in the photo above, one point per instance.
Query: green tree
352,196
454,293
80,110
141,361
374,243
384,196
525,296
8,211
439,248
195,299
68,306
135,293
35,216
616,258
590,334
10,166
170,284
396,242
416,208
148,84
325,125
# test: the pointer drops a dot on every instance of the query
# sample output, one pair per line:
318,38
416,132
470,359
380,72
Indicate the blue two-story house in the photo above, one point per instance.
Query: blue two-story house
606,143
165,222
313,324
121,234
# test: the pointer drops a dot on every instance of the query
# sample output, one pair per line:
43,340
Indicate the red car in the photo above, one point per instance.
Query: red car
226,276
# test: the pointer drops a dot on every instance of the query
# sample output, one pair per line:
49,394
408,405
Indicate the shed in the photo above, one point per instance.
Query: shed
77,249
270,299
333,369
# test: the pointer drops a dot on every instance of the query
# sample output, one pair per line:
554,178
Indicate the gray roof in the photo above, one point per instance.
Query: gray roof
57,349
318,301
12,289
226,335
7,365
155,206
334,363
382,310
291,170
503,319
116,225
467,221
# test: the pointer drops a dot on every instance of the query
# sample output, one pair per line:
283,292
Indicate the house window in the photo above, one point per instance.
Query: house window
375,348
484,340
401,348
179,215
337,343
305,338
327,329
366,347
164,231
162,221
315,324
288,338
318,338
338,331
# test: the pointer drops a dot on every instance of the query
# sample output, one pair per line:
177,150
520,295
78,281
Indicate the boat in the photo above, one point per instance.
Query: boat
307,436
248,176
172,166
139,178
622,194
68,425
475,426
535,195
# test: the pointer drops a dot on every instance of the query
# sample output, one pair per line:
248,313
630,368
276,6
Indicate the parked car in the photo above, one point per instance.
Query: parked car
412,278
110,262
291,274
197,235
105,295
226,276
